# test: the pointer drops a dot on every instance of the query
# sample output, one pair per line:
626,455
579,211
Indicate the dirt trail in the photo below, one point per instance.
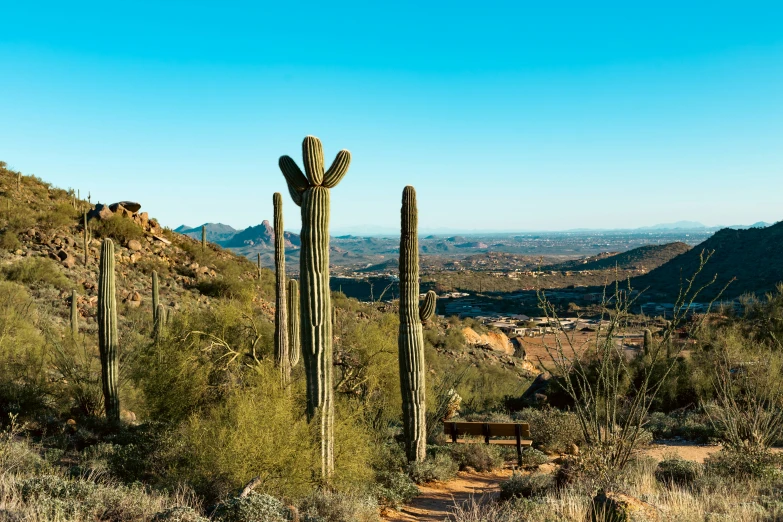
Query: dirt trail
437,499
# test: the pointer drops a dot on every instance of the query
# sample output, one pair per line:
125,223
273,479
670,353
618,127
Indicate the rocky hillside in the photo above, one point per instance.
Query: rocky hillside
646,257
753,256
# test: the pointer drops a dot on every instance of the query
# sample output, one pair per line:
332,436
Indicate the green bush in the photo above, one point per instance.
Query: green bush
9,241
338,507
62,215
479,456
179,514
678,471
527,486
118,228
255,507
439,467
745,463
394,488
532,458
552,430
225,286
37,271
54,486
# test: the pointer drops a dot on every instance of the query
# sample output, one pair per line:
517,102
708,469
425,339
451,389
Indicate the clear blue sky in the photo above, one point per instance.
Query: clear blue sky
502,115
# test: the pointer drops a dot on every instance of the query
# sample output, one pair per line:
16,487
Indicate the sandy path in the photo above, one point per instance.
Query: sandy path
437,499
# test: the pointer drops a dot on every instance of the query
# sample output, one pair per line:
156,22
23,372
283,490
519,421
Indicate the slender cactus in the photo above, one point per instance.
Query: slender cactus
258,272
311,191
155,297
647,347
294,348
160,322
74,316
107,331
411,337
203,238
85,239
281,324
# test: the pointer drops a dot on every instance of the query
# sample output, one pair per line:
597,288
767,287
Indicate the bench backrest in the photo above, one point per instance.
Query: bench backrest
484,429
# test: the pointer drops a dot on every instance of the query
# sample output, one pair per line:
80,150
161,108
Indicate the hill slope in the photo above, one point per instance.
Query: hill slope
646,257
754,256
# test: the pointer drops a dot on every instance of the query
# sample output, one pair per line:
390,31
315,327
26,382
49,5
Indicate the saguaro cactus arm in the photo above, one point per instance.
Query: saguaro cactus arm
294,348
427,307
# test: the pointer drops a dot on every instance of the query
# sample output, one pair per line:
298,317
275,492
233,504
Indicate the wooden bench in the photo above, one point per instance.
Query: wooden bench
520,431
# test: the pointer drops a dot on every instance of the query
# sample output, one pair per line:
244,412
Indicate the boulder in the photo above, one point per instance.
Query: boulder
618,507
134,245
130,206
101,212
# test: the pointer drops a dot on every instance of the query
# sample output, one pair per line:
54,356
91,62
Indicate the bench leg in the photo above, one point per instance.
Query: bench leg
518,432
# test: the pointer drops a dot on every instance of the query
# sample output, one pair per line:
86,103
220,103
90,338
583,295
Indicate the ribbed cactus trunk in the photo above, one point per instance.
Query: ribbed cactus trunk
160,323
155,297
86,239
258,269
411,337
294,335
107,332
281,323
203,238
311,192
74,316
647,347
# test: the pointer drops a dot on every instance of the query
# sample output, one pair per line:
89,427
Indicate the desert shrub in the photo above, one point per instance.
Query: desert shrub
675,470
480,457
62,215
179,514
254,507
37,271
394,488
438,467
693,425
527,486
745,463
225,286
338,507
532,458
118,228
9,240
54,486
552,430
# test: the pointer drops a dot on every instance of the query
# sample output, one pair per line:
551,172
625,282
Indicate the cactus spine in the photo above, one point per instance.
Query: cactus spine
155,298
74,316
411,338
281,323
203,238
107,331
294,348
311,192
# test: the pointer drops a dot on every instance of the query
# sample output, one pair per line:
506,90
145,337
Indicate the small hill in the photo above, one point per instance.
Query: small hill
261,235
754,256
390,264
216,232
646,257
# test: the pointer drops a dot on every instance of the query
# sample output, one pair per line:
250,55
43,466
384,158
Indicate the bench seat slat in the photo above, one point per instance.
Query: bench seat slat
500,442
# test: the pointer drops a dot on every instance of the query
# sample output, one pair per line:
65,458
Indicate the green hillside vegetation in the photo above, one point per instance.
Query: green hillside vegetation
646,257
203,411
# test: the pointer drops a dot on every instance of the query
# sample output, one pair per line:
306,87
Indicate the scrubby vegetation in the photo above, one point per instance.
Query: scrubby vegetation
204,413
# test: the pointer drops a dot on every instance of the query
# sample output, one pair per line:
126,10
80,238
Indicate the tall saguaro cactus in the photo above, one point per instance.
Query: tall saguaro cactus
281,324
647,346
203,238
86,238
294,348
74,316
107,331
258,269
411,337
311,192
